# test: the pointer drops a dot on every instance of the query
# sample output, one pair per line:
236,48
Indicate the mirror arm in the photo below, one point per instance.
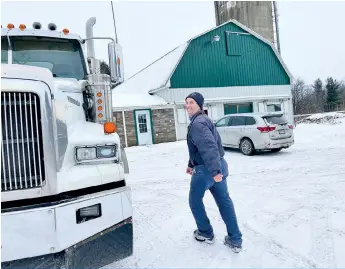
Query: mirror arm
107,38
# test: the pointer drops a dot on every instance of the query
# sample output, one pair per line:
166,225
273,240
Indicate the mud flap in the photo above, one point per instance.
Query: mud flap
107,247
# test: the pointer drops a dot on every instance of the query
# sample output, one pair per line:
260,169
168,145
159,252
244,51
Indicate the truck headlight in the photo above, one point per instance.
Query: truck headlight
106,151
96,153
84,154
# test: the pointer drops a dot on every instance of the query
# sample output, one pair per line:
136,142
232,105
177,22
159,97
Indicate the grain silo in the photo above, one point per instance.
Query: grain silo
260,16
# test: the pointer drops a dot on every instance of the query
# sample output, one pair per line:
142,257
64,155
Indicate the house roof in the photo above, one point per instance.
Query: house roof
156,76
124,100
134,92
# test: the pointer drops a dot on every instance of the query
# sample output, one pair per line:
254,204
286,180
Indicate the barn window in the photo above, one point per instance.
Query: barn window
274,107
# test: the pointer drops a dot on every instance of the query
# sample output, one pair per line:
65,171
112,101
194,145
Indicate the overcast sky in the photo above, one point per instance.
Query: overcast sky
312,34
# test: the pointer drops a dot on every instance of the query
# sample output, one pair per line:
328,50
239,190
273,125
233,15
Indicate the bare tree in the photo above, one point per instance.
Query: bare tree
300,96
341,92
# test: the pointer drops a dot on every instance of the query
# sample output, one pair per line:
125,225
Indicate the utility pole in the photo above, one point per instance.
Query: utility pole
112,9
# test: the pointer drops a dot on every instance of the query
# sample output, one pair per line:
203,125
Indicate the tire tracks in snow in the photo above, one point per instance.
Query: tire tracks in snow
322,252
279,251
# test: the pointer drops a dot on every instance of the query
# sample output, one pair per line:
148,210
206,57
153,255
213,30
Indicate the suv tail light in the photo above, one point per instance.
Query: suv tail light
266,129
290,126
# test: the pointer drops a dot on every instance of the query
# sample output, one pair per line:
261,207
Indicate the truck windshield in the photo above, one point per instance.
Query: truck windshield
62,57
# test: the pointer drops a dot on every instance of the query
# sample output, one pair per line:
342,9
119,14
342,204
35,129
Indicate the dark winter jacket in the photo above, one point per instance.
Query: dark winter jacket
204,144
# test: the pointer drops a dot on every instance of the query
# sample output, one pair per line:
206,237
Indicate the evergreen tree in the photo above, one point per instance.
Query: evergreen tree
332,91
319,95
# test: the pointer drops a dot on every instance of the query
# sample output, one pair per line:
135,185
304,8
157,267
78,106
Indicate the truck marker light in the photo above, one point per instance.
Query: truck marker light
10,26
109,127
65,31
22,27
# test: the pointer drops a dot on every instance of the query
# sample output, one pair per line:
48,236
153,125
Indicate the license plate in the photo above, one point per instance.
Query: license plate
281,131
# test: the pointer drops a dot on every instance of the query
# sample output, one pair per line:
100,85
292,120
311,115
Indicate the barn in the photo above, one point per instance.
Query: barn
235,69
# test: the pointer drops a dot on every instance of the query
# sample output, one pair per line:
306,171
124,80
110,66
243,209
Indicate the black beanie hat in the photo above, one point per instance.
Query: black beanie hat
199,99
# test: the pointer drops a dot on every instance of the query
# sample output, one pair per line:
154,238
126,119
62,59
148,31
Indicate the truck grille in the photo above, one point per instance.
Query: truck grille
21,148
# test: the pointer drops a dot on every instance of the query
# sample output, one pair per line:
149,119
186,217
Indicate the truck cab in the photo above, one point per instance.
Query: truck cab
64,193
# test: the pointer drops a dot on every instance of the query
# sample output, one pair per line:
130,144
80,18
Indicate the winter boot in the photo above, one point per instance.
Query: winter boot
234,248
201,238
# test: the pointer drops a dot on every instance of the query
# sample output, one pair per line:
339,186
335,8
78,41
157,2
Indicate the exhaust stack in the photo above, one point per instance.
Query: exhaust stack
89,33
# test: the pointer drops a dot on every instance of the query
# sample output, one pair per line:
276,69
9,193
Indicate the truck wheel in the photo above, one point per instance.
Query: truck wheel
247,147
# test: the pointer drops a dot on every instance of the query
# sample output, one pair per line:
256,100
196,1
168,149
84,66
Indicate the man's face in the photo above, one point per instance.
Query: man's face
191,106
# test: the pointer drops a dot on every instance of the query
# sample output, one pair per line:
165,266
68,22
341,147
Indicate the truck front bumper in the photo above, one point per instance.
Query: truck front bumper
52,237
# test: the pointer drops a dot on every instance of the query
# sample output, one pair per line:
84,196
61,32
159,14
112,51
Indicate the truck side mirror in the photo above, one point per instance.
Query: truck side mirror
115,62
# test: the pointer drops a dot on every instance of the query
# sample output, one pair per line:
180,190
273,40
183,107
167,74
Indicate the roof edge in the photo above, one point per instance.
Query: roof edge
257,36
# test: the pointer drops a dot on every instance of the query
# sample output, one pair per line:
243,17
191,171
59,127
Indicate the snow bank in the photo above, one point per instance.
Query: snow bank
325,132
323,118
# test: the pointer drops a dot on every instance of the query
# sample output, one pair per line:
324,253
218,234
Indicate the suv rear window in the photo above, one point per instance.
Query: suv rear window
250,121
279,119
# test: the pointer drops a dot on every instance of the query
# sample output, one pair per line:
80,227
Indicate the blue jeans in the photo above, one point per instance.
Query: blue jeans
202,181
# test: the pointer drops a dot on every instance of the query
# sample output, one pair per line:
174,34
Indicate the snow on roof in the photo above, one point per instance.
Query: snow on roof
134,92
154,75
122,100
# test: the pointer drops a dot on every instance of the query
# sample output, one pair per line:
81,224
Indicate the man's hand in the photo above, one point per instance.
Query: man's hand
189,170
218,178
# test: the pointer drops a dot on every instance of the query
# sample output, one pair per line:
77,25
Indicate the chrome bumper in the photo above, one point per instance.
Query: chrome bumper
54,231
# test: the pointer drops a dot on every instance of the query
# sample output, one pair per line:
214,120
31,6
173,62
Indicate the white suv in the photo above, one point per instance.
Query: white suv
252,132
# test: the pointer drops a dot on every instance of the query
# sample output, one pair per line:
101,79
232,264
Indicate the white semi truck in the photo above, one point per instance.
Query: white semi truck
65,202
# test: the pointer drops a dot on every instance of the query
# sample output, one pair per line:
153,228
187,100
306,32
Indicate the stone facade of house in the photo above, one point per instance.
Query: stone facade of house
163,123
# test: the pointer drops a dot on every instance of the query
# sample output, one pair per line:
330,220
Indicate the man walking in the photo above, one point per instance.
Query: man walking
209,171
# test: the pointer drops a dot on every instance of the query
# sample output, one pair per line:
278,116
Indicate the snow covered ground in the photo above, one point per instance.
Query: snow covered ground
290,205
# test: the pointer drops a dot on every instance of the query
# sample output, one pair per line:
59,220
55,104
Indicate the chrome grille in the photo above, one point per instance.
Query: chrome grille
21,146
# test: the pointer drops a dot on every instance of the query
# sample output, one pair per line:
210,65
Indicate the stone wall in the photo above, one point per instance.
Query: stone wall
163,126
130,128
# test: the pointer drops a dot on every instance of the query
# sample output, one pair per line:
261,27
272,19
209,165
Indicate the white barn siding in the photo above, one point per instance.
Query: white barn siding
227,93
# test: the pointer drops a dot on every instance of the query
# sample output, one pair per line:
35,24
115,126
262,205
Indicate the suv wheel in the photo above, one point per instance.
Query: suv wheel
247,147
